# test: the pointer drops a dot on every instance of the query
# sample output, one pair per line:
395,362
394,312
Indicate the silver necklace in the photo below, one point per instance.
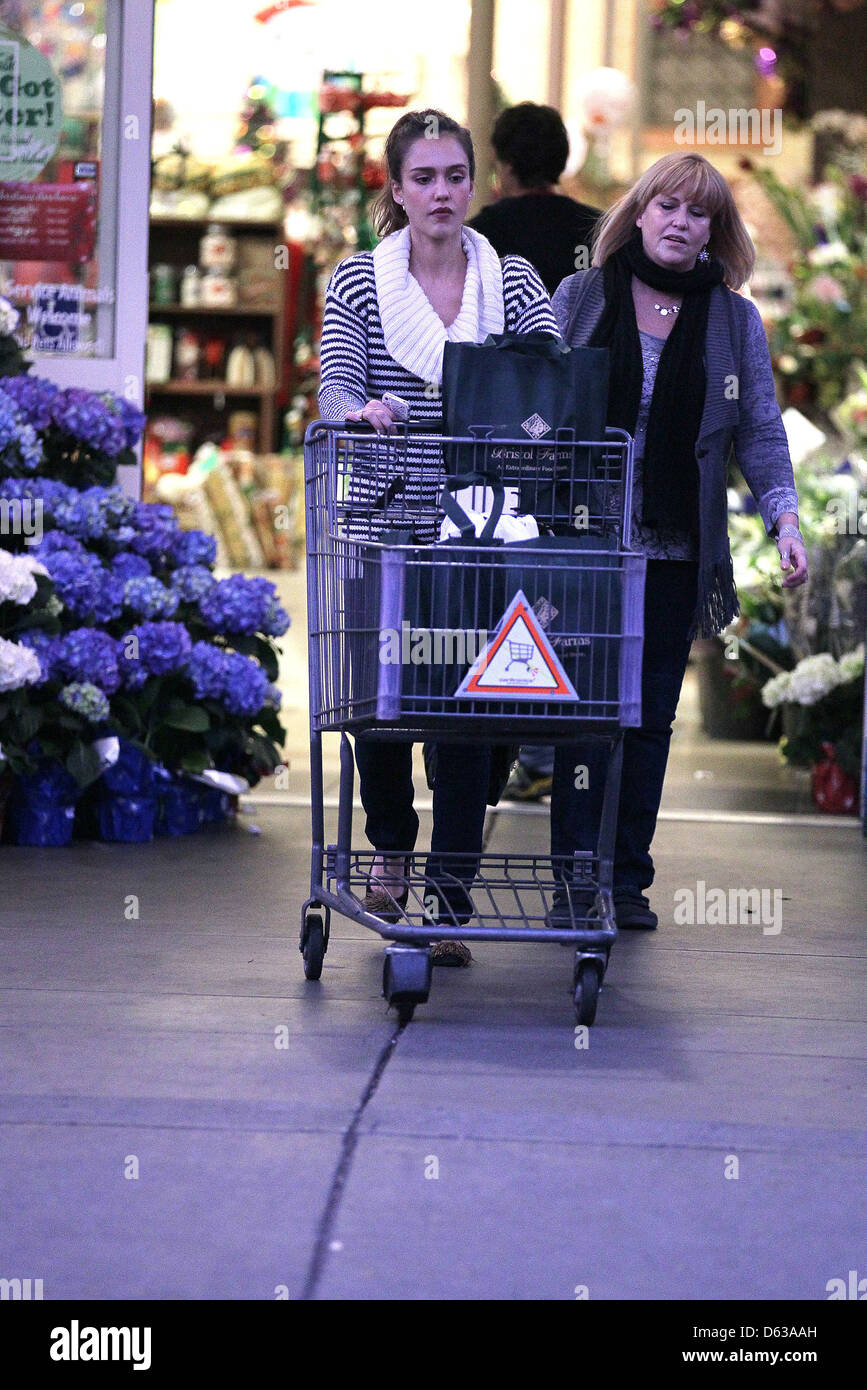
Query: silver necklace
666,309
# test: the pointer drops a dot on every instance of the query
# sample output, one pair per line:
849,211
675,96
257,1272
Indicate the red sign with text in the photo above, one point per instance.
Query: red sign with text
48,221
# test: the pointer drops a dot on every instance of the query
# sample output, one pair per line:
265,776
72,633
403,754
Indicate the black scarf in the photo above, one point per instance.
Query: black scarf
670,473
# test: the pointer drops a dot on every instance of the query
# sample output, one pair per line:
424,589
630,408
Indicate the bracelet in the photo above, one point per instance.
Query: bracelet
789,530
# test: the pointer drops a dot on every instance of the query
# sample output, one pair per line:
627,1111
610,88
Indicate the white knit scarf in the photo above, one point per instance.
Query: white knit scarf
414,332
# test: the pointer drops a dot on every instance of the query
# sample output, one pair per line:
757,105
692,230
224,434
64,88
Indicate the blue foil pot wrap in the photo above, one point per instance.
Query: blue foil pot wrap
126,819
42,807
180,810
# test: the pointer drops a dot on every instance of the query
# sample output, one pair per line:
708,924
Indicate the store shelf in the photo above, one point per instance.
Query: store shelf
205,388
225,311
242,223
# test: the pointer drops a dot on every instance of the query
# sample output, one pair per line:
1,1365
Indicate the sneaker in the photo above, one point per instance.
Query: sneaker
632,911
527,786
560,916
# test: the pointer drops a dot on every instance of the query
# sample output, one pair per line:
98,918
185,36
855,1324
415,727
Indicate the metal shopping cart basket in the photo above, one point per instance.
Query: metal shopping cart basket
417,641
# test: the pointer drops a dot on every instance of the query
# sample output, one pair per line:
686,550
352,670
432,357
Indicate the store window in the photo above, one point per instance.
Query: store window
59,96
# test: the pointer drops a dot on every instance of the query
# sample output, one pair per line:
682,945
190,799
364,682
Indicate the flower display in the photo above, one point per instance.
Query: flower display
819,344
827,699
111,619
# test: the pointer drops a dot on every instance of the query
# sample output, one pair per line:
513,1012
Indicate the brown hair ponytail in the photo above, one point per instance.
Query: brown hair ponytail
386,214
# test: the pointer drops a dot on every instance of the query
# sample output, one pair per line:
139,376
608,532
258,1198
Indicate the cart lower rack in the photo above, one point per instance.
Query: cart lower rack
468,642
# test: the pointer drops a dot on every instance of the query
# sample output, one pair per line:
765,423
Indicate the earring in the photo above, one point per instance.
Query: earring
703,254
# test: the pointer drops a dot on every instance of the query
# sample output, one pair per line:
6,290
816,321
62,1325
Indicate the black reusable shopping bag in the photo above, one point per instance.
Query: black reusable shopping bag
517,386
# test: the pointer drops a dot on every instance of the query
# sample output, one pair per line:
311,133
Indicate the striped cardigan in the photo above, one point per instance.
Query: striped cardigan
356,367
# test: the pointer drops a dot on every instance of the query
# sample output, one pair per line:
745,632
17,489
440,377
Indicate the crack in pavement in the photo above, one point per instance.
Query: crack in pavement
348,1144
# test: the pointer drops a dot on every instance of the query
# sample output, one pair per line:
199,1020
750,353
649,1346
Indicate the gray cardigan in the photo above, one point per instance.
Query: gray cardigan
740,412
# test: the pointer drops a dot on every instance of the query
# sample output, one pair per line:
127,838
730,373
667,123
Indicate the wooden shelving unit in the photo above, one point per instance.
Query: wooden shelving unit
175,241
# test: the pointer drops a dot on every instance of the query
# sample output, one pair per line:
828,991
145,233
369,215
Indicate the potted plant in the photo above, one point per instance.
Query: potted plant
825,698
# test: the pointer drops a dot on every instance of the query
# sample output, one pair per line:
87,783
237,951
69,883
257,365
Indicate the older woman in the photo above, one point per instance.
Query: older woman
690,378
388,315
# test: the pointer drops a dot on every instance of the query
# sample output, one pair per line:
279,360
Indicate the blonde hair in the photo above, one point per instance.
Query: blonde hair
729,240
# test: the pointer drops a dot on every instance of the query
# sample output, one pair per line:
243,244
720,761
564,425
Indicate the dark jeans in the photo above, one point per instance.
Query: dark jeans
459,805
669,607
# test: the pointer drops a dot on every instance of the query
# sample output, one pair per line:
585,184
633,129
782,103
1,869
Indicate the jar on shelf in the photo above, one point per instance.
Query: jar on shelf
217,249
191,287
187,351
163,282
218,290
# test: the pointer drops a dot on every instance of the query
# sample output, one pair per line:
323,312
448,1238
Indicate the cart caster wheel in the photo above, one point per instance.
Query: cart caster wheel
314,946
406,979
586,996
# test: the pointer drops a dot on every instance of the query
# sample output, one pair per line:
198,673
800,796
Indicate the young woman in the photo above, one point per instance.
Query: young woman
690,377
388,314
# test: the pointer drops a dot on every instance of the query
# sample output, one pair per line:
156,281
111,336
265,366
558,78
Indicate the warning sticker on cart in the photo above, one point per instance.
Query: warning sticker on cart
519,661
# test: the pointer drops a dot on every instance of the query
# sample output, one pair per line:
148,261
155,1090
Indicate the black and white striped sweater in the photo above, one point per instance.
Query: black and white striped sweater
356,367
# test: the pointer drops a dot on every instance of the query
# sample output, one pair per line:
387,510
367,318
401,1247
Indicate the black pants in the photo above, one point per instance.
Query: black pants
459,804
669,607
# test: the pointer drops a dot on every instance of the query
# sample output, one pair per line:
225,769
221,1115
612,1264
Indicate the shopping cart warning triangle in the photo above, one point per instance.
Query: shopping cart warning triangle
519,662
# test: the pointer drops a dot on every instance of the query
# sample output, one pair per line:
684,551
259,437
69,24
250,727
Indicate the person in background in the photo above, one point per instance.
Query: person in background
690,378
533,220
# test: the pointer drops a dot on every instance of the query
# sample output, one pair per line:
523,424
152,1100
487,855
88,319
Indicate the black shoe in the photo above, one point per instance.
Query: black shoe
524,785
633,912
563,917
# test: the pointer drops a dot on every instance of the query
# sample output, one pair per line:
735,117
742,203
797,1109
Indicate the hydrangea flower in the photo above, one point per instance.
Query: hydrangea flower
34,396
192,582
194,548
85,699
45,649
86,654
105,422
128,566
44,491
238,682
17,584
19,665
83,585
149,598
20,446
157,649
241,605
55,542
93,514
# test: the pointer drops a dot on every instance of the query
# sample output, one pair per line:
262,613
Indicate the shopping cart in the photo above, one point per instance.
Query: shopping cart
380,592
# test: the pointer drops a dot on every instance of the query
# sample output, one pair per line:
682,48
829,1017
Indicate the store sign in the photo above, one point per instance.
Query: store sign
47,221
30,108
58,318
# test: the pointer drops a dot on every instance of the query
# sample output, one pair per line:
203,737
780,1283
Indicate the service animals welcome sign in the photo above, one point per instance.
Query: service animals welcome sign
30,109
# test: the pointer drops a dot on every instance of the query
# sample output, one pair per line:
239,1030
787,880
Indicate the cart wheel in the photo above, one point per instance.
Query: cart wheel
314,946
587,982
406,979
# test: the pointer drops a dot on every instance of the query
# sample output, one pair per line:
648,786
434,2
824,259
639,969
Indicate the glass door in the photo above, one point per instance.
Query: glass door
75,112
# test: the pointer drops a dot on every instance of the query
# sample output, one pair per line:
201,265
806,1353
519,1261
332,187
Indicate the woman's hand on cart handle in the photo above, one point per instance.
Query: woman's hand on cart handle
793,552
375,414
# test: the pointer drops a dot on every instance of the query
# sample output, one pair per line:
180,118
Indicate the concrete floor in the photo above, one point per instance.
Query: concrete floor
183,1116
